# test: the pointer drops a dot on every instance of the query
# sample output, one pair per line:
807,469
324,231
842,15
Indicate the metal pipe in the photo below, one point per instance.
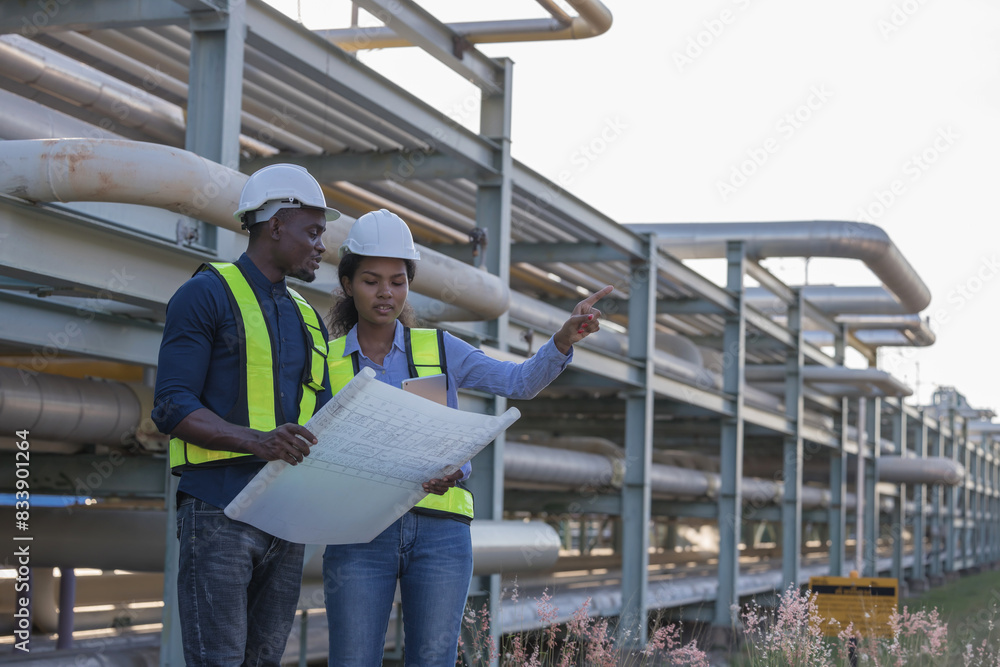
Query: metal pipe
44,69
132,172
27,119
67,600
594,19
110,539
562,468
531,463
819,238
54,407
929,470
831,300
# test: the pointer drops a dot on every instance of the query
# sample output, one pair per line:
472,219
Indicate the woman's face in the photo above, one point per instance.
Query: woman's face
379,288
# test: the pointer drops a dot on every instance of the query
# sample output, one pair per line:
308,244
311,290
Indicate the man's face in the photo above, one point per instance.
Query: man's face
300,242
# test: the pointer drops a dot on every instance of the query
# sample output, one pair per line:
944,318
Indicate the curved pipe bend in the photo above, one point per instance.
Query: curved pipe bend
817,238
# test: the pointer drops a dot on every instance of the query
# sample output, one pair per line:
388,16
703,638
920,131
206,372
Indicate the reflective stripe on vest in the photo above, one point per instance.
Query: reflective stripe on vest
258,384
424,352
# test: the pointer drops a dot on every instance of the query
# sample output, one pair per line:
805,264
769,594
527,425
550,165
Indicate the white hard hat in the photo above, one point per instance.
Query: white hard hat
380,234
279,186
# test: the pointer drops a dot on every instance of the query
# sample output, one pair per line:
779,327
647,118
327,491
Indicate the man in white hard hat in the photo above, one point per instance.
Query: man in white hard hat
242,367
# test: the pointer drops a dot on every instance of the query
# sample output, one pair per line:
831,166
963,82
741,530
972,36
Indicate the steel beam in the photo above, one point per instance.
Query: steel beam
96,475
47,329
635,491
31,19
791,504
44,244
568,253
542,194
730,501
420,28
310,55
688,307
392,166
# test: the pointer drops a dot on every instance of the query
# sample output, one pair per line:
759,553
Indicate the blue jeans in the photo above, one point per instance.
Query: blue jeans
432,559
237,588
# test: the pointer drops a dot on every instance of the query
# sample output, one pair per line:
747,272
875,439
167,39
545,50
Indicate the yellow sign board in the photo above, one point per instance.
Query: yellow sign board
867,602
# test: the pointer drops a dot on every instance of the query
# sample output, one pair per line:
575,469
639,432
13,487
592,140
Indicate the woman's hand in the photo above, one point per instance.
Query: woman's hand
582,323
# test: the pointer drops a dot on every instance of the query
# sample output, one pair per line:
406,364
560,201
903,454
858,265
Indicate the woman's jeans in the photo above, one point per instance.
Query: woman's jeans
432,559
237,588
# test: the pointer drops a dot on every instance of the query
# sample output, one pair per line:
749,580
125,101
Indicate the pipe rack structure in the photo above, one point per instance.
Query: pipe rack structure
708,424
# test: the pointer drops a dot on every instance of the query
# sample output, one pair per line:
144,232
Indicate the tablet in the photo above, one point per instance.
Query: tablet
432,387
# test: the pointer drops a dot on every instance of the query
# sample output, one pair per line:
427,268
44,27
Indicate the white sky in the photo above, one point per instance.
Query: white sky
669,109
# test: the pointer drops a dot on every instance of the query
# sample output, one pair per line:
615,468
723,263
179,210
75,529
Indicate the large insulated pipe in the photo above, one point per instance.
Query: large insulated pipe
930,470
840,375
831,299
54,407
132,172
27,119
110,539
32,64
819,238
561,468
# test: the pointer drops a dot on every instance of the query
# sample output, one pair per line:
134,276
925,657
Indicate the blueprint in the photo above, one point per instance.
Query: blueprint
377,446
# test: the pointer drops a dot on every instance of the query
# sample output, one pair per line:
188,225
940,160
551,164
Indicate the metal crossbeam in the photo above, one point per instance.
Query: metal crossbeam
420,28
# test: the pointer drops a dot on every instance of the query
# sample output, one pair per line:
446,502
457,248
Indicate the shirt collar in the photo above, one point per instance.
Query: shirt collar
351,345
258,279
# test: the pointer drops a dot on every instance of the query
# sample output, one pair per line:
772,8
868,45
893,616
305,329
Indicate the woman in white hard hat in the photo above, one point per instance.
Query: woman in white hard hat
428,550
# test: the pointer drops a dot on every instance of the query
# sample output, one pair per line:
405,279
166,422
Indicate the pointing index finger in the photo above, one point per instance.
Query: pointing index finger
597,296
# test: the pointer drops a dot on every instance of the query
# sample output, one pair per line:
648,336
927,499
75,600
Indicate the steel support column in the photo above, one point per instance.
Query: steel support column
838,473
215,89
838,494
951,497
493,213
936,491
638,451
968,499
995,500
731,444
215,85
791,506
899,513
973,536
67,601
873,427
919,573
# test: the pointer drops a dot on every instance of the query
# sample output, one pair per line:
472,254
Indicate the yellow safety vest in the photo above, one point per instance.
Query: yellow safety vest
424,356
258,383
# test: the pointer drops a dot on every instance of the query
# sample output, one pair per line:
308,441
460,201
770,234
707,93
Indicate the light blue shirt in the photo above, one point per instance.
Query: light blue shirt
470,368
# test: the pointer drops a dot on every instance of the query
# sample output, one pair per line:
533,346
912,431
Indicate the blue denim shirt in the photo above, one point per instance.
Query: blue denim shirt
470,368
199,367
